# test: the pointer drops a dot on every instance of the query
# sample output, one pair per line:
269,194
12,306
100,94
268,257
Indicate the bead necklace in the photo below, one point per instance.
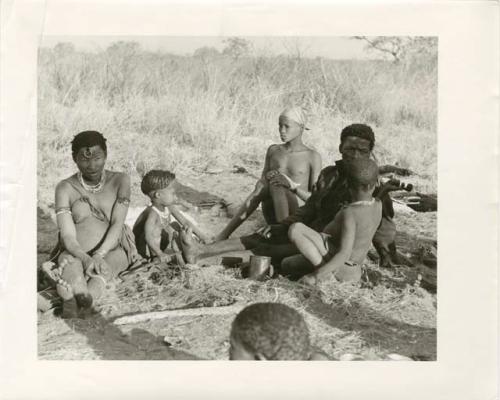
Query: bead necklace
363,202
165,214
95,188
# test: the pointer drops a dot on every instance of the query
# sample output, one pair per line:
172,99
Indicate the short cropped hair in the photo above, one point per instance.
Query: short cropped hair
88,139
358,130
362,172
156,179
274,330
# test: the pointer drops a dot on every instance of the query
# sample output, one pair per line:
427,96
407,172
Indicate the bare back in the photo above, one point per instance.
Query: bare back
366,219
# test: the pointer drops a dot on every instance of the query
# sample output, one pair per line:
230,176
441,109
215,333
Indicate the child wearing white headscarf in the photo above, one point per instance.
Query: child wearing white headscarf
290,171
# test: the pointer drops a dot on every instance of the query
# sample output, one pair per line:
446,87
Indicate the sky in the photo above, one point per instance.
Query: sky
328,47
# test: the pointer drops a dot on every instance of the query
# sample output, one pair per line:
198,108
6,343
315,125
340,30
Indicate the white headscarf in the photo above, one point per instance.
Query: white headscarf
295,114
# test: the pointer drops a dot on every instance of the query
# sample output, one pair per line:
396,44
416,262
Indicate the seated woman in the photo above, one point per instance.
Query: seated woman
289,173
94,242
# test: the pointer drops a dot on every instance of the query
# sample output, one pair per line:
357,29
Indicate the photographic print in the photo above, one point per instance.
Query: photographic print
239,197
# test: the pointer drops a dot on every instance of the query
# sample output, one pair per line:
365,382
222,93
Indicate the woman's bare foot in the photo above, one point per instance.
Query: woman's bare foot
190,248
69,309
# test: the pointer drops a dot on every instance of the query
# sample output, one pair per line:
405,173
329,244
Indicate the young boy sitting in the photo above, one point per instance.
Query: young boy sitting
344,243
290,171
157,227
270,331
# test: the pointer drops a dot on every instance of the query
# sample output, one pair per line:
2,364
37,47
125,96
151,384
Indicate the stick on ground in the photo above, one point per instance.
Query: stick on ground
186,312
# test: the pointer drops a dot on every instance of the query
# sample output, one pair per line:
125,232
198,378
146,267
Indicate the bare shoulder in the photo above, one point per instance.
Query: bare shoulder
348,215
150,216
273,148
314,155
118,178
64,186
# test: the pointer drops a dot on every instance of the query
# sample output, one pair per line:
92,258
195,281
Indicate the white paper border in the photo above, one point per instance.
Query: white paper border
467,223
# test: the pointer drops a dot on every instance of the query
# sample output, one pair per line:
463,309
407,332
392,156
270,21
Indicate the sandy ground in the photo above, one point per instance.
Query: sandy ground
394,316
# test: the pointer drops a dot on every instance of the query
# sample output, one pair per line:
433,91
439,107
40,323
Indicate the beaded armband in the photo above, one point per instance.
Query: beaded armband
63,210
123,200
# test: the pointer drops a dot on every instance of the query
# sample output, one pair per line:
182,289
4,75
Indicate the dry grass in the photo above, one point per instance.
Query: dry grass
343,318
187,113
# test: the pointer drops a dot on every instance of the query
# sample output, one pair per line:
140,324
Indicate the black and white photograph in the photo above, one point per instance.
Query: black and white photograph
186,189
237,198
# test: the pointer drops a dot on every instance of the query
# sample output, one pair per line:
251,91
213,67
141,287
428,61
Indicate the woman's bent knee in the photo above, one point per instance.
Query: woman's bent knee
72,267
117,262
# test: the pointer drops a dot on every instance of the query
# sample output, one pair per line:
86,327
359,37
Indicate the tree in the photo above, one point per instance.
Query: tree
206,52
402,48
236,47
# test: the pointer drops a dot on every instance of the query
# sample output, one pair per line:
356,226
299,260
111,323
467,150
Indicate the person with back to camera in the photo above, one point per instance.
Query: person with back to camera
329,195
271,331
341,248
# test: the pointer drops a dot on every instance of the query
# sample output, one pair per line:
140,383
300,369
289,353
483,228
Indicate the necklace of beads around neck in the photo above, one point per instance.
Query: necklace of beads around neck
165,214
92,188
363,202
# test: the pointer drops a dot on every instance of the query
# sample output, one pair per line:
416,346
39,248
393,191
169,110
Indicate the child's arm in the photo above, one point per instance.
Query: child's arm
152,234
347,237
315,170
186,223
267,162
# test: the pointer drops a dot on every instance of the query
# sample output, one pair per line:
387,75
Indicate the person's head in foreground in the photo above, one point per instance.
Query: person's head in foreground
292,122
269,331
159,186
89,152
356,141
362,177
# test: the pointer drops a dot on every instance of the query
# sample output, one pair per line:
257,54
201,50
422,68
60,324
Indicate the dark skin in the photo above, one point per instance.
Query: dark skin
350,148
290,171
352,232
155,229
81,232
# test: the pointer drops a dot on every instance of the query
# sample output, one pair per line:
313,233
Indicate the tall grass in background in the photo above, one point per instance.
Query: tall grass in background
187,112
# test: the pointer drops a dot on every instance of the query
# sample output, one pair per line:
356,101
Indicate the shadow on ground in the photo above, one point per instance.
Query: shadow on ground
109,342
377,330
